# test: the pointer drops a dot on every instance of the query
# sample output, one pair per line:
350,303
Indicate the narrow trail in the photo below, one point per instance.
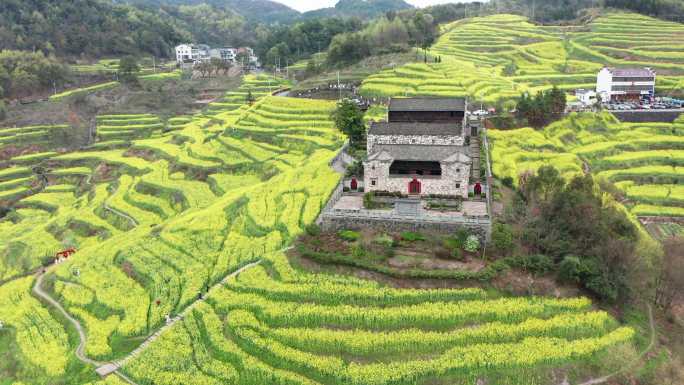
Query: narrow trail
119,213
106,368
80,350
119,363
606,378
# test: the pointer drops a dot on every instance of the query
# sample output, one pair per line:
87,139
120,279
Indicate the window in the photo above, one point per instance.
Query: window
374,182
458,185
373,167
458,170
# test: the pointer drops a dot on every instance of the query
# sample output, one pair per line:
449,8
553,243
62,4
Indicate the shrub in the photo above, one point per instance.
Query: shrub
411,236
457,254
369,200
537,264
313,230
461,236
349,235
384,240
452,243
472,244
358,250
3,111
507,181
502,237
571,269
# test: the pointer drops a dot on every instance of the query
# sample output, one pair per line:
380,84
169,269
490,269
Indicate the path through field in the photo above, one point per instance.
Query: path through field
80,350
604,379
104,368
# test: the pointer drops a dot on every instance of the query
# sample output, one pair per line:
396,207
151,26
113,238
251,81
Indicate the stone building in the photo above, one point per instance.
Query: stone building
421,149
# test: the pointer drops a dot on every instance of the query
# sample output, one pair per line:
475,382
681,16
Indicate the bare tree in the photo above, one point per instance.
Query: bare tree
670,283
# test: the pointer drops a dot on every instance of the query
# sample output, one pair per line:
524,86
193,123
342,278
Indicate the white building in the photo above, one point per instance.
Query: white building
586,97
625,84
192,53
227,54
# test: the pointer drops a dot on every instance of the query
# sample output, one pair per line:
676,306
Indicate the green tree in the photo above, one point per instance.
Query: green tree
3,111
502,238
348,118
128,69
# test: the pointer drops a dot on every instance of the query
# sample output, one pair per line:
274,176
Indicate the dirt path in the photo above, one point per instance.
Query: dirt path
119,213
106,368
80,350
113,367
604,379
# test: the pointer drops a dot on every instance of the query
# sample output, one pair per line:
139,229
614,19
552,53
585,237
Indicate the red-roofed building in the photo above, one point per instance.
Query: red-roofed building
615,84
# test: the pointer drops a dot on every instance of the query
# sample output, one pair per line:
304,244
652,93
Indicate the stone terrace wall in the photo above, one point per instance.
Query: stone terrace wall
644,116
331,221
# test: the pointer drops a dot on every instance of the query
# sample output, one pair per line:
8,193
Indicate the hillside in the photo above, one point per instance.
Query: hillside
365,9
254,11
184,225
496,58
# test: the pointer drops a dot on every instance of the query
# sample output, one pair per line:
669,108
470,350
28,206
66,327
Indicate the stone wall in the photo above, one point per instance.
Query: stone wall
481,228
644,116
426,116
453,175
431,140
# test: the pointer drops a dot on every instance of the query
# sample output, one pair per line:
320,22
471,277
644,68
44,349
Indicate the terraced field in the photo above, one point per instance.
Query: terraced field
275,325
496,58
159,217
645,161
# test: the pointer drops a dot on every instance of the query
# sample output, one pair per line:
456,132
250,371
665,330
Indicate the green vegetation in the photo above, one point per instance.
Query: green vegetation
642,160
22,73
496,58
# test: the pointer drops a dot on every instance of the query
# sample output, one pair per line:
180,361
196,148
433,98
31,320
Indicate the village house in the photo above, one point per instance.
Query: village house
421,150
619,84
191,54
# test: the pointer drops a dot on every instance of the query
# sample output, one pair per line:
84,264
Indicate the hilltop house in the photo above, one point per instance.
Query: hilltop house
625,84
421,149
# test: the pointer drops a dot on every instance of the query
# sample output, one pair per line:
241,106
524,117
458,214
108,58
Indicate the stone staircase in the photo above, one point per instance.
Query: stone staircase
475,156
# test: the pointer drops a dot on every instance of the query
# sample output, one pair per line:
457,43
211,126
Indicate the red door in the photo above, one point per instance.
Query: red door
478,189
354,184
414,186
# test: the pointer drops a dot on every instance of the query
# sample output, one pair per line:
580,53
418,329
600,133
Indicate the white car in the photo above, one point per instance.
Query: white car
480,113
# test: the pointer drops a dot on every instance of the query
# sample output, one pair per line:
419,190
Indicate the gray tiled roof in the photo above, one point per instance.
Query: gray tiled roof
400,128
413,152
427,104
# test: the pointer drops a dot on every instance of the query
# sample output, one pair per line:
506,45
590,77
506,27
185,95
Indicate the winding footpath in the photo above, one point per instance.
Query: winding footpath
107,368
80,350
604,379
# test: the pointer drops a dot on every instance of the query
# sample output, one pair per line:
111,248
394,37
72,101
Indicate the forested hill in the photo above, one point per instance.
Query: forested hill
364,9
254,11
86,27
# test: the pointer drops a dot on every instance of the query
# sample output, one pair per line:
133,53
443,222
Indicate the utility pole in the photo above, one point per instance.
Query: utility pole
154,64
534,9
339,90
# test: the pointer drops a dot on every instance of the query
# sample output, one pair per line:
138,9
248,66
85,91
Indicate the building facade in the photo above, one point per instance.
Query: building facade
615,84
414,153
225,54
192,53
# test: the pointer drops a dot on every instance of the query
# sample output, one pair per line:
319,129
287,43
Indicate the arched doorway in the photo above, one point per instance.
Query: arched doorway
414,186
478,189
354,184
